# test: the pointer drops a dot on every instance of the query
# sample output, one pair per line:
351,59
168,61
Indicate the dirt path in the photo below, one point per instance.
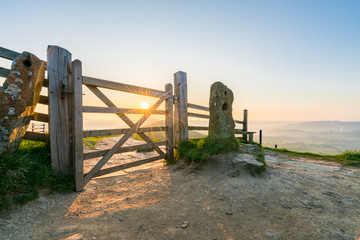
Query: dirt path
297,198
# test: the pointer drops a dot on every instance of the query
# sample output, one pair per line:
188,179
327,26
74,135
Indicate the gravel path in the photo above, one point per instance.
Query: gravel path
296,198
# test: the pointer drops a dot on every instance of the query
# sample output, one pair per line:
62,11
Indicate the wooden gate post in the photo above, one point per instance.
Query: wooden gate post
77,125
58,67
181,108
245,124
169,123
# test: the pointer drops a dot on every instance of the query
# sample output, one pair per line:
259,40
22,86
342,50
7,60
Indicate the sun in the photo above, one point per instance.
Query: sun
144,105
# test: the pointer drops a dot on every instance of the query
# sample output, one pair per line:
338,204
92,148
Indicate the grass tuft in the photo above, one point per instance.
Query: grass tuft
348,158
26,171
198,151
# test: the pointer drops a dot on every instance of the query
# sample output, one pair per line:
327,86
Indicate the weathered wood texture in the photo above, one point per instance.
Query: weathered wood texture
101,153
42,137
77,125
4,72
127,120
197,115
91,109
94,171
122,87
195,106
109,132
245,124
59,61
199,128
44,100
41,117
169,122
8,54
181,108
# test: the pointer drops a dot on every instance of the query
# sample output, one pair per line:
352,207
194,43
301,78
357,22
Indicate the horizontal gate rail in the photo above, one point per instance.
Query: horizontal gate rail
123,87
109,132
198,107
198,115
129,165
91,109
101,153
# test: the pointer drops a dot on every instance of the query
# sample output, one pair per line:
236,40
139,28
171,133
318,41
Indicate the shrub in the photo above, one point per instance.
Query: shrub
198,151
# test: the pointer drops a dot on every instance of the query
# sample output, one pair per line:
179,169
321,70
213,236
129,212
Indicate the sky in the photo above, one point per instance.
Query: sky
284,60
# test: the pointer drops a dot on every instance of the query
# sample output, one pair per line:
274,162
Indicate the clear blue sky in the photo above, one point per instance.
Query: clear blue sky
284,60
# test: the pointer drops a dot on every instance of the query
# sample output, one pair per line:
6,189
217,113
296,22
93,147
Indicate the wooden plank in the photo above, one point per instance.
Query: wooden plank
197,115
201,128
190,105
181,108
169,121
77,125
237,121
123,87
41,117
8,54
92,173
43,100
91,109
101,153
35,136
123,117
46,83
4,72
109,132
129,165
245,124
59,60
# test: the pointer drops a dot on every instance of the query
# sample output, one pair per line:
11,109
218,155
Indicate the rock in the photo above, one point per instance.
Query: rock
77,236
228,213
221,124
18,99
246,159
185,224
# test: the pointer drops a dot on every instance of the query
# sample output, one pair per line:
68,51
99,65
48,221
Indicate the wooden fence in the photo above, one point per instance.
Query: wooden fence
65,116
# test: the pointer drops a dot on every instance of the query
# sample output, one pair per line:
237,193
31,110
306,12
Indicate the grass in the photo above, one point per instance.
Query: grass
348,158
198,150
26,171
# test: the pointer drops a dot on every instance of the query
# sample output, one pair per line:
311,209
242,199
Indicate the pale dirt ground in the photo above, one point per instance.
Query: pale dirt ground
296,198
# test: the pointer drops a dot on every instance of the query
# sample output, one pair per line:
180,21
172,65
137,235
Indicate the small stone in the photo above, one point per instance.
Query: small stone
42,199
213,189
229,213
185,224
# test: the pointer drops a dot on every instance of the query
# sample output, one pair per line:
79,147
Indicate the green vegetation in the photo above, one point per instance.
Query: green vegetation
349,157
198,151
24,172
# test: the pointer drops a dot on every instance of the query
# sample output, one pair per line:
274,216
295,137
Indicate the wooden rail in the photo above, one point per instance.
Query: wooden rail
101,153
109,132
123,87
8,54
91,109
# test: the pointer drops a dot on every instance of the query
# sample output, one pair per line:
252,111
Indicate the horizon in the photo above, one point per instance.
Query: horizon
284,61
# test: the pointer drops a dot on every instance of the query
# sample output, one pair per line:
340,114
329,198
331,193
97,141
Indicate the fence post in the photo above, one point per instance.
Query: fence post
169,121
181,109
245,125
58,67
77,124
260,137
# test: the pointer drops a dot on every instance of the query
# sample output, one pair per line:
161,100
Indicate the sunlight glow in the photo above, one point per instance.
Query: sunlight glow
144,105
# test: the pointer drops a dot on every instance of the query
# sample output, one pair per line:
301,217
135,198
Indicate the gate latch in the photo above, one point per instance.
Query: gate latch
63,90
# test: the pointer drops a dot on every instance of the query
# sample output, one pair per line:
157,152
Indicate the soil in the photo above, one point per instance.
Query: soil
296,198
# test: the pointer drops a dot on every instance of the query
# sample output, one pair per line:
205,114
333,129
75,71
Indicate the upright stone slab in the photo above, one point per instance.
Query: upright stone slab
18,99
221,123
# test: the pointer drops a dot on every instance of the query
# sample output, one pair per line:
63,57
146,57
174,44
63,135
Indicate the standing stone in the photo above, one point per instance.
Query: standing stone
221,121
18,99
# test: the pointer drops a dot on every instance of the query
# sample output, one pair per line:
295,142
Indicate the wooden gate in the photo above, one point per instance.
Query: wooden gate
134,127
